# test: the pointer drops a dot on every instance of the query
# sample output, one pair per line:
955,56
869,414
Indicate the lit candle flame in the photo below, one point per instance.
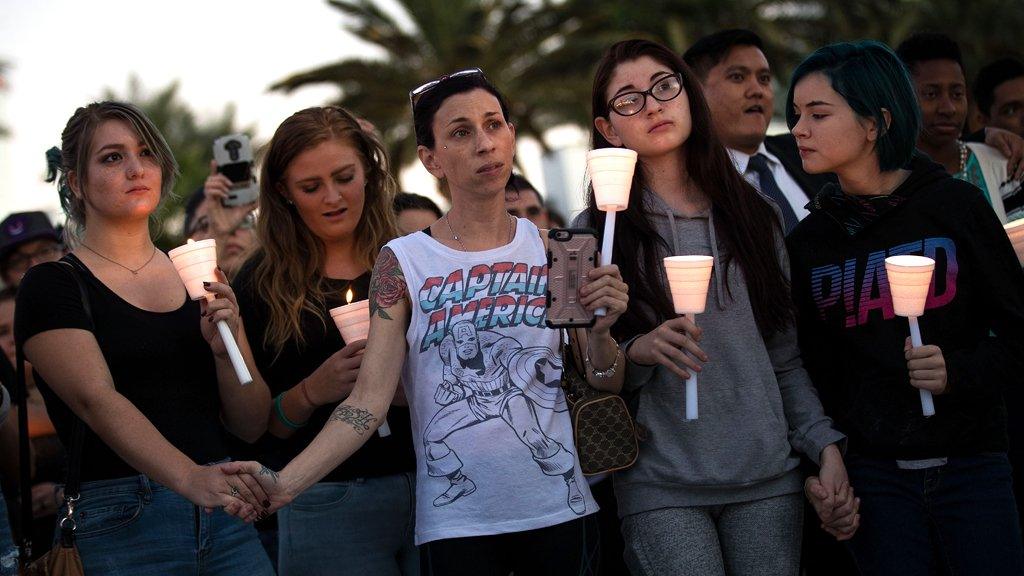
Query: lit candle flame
348,296
191,241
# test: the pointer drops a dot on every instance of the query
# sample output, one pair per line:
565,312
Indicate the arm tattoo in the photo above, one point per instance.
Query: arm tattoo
264,471
360,420
387,286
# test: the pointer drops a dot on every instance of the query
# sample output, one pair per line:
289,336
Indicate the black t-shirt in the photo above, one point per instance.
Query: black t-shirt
285,369
159,361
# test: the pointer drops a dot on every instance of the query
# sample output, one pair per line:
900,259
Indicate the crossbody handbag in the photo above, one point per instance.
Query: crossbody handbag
63,558
602,427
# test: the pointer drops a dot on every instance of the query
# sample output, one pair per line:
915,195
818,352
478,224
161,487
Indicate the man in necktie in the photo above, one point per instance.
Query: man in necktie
737,81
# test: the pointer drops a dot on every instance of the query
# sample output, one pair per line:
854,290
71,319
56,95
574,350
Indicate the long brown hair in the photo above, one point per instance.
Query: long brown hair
290,257
745,222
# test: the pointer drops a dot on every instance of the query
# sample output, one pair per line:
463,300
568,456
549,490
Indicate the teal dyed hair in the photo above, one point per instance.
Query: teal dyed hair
870,76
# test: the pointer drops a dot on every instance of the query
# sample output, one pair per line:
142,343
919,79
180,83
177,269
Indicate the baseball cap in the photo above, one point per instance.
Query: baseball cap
21,227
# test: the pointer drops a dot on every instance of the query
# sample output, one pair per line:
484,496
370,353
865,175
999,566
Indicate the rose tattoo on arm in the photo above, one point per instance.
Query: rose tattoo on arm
387,285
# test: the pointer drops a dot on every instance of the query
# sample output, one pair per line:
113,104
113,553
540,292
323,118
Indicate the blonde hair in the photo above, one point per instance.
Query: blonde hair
290,256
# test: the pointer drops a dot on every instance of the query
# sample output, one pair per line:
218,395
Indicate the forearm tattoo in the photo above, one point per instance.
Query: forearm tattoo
387,286
360,420
264,471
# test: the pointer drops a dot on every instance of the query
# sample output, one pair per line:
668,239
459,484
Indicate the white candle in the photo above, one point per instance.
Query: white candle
688,279
611,175
196,262
353,321
909,279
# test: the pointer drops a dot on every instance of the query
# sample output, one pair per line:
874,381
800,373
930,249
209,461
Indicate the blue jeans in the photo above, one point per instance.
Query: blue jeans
361,527
8,551
959,518
136,527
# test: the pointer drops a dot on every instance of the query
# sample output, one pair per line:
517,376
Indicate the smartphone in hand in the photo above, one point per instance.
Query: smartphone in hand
233,154
572,254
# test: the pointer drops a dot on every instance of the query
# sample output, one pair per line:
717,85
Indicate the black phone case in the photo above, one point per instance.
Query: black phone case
568,265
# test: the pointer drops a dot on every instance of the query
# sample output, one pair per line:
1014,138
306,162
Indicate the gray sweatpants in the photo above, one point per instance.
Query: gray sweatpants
745,539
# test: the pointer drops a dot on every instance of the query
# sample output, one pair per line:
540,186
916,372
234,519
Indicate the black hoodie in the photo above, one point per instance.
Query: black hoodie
853,343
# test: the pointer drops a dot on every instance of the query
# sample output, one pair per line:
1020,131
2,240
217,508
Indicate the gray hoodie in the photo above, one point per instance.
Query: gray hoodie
757,405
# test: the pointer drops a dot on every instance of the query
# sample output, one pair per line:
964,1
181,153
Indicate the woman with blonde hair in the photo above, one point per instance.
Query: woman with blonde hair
135,377
325,211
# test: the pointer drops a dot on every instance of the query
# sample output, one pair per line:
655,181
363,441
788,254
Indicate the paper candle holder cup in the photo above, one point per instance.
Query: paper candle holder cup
688,279
909,280
196,262
352,320
611,174
1015,230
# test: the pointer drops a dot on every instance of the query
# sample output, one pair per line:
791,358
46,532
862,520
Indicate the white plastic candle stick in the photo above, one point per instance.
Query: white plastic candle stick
909,280
927,402
688,280
196,263
691,388
611,177
237,362
607,242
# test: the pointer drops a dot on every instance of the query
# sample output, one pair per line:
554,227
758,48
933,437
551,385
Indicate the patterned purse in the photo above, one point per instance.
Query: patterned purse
603,429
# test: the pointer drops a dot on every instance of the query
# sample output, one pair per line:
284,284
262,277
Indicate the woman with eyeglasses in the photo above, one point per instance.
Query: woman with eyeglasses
458,312
326,201
720,494
206,216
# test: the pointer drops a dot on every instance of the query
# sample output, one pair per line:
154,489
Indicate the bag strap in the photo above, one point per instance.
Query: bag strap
72,484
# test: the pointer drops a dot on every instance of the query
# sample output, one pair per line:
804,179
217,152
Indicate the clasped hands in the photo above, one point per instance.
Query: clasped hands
832,496
247,490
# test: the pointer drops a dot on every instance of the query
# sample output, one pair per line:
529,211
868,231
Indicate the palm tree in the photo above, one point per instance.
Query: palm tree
519,45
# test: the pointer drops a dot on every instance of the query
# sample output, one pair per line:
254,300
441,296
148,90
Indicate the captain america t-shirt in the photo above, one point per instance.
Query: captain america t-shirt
490,424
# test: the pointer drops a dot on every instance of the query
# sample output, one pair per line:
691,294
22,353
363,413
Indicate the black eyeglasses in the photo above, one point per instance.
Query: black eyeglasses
528,212
631,103
416,93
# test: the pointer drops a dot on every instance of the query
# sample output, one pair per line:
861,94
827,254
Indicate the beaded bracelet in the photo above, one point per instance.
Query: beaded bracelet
281,416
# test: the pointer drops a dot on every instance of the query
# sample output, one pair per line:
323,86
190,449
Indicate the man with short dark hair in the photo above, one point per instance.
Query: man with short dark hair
999,91
26,239
523,201
737,81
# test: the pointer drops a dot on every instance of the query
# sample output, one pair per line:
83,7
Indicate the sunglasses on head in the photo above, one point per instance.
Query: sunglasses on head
417,93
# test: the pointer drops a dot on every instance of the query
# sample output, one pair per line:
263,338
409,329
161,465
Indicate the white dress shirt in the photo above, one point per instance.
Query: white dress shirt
792,191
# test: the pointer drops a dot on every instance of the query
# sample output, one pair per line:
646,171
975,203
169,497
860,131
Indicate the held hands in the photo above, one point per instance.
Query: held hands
832,497
334,379
218,486
666,344
604,287
223,307
272,495
926,367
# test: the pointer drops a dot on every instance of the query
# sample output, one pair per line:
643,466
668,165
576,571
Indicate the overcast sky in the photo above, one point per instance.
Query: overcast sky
64,53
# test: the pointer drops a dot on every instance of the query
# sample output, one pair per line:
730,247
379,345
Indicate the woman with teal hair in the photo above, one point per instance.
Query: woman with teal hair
934,490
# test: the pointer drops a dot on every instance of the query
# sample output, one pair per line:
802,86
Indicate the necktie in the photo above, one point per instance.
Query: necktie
759,164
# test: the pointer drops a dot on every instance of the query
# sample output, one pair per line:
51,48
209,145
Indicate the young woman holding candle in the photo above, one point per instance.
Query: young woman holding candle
722,493
325,211
457,311
934,489
144,367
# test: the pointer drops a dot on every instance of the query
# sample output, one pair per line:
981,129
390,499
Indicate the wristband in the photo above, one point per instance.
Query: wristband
281,416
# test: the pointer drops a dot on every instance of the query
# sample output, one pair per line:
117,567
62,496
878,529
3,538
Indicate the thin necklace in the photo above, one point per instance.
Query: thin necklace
448,221
134,272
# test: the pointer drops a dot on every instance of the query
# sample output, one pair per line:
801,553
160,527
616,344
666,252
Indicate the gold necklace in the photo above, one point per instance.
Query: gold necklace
134,272
448,221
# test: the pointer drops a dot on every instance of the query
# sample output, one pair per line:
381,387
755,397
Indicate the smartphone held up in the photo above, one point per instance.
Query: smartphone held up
233,154
572,254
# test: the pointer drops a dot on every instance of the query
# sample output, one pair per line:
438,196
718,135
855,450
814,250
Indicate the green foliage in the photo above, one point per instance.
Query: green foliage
190,139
